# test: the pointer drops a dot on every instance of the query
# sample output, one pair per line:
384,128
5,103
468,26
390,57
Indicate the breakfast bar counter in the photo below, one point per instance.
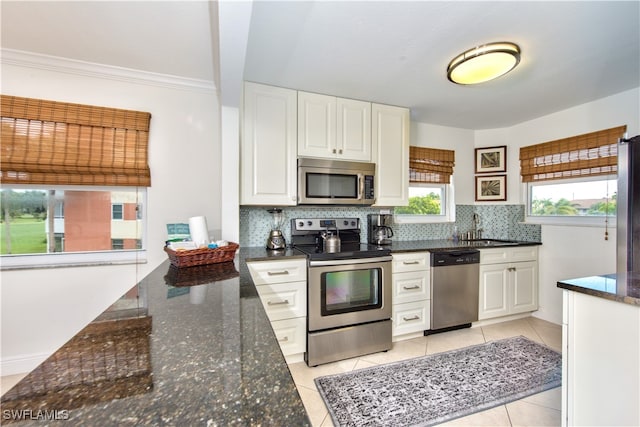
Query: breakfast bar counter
214,359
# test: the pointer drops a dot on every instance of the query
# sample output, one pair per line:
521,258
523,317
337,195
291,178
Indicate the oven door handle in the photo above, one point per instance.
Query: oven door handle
349,261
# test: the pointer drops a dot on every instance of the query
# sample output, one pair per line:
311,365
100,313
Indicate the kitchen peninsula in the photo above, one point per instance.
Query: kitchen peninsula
215,360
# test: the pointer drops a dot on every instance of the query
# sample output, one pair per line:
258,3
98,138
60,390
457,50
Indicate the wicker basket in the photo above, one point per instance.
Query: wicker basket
189,258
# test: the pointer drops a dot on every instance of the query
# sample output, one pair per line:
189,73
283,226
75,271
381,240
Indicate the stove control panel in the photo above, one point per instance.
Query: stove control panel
320,224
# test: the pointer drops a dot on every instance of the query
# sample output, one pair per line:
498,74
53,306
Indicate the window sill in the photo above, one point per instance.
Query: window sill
422,219
67,260
573,221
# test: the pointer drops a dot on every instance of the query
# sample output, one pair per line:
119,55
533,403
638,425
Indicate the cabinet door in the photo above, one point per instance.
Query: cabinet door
353,138
494,291
390,152
524,278
268,163
316,125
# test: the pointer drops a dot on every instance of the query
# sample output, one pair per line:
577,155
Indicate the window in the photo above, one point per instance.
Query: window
581,197
430,187
572,180
87,224
69,170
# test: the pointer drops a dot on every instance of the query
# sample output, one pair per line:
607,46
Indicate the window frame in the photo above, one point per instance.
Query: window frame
600,221
448,205
76,259
113,218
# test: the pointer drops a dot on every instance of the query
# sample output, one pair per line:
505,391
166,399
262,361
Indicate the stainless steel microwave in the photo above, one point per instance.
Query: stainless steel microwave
335,182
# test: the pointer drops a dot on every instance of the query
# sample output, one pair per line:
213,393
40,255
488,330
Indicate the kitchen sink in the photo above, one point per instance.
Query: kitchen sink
489,243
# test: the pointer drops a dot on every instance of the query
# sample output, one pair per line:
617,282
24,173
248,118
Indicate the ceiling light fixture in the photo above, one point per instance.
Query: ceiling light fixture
483,63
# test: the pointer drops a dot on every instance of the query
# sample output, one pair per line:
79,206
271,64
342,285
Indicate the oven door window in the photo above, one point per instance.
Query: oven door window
352,290
331,186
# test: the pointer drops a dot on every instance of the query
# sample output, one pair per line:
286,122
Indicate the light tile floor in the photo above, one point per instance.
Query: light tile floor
542,409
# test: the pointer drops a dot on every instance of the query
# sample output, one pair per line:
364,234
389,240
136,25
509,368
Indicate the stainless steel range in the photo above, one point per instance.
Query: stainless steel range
349,290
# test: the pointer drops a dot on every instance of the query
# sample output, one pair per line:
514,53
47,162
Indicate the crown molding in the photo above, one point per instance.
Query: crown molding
101,71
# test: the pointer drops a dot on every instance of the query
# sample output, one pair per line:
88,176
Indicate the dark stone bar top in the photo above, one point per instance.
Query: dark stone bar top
214,356
606,286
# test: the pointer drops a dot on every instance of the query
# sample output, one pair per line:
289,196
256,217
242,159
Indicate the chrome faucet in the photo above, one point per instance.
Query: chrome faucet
476,232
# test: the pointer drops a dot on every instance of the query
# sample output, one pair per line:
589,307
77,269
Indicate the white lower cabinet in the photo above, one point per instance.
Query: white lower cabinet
508,287
282,287
291,335
411,297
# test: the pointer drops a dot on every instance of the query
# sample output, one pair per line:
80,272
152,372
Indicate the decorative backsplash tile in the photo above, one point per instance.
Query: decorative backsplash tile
497,222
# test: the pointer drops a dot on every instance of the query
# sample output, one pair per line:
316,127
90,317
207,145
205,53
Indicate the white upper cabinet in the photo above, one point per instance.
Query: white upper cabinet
390,152
333,128
268,159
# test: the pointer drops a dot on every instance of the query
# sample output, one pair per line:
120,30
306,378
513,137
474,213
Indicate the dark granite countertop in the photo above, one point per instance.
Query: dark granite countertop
431,245
214,356
606,286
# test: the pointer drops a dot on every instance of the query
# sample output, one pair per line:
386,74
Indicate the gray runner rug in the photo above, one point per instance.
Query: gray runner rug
436,388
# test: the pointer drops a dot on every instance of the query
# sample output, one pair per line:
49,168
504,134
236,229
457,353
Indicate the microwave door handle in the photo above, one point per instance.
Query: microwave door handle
360,187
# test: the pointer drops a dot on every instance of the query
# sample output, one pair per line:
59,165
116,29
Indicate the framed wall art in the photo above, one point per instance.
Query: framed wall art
491,188
491,159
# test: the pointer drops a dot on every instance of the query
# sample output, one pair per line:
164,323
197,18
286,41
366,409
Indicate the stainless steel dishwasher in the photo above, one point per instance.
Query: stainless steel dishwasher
454,289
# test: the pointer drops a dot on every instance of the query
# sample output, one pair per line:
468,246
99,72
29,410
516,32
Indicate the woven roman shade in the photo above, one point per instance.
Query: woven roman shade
591,154
57,143
430,165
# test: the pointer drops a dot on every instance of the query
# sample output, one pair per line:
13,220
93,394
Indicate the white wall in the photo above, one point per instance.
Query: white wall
43,308
567,251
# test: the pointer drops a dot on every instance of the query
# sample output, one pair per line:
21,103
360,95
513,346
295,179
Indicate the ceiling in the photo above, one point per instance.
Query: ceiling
384,51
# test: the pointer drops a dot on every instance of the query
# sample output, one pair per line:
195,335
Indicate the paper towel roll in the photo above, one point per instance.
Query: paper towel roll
199,230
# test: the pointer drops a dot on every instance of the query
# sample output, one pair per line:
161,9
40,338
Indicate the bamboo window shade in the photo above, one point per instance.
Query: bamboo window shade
58,143
430,165
591,154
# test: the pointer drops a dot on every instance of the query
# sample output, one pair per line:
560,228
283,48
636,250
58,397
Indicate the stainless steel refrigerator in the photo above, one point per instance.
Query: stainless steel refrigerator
628,217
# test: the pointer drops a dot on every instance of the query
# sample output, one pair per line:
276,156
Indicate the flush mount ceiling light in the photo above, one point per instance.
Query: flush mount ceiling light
483,63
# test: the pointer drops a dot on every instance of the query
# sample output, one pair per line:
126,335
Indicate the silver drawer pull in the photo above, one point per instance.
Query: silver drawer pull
285,302
410,262
278,273
408,288
408,319
283,339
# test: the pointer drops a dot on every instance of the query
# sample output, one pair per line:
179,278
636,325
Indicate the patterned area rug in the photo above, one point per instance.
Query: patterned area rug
432,389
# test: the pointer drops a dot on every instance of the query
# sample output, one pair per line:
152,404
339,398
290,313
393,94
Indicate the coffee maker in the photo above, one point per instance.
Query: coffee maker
380,232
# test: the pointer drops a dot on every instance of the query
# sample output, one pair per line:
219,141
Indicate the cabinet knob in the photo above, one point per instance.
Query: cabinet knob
334,151
340,151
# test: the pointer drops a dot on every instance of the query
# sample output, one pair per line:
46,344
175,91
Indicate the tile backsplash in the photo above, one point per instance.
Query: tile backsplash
497,222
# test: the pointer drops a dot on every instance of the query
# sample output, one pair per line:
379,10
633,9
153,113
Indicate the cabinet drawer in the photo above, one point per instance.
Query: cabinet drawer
291,335
494,256
411,317
413,261
267,272
511,254
410,286
284,300
524,253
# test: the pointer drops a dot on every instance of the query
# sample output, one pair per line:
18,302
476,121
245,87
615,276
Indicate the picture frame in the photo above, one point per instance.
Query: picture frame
491,188
491,159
